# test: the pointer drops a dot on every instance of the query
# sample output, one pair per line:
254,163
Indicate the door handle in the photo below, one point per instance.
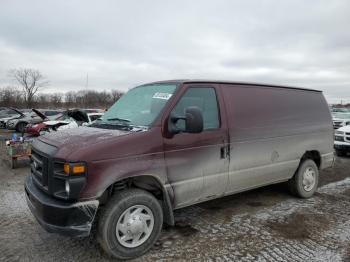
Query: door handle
225,151
222,152
228,151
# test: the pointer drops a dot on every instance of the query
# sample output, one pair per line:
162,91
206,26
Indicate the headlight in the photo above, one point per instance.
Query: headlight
69,179
339,138
339,132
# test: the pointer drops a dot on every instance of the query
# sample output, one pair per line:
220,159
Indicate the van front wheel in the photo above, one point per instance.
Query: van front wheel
130,223
305,180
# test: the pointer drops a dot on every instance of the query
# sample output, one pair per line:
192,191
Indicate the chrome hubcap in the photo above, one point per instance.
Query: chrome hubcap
135,226
309,179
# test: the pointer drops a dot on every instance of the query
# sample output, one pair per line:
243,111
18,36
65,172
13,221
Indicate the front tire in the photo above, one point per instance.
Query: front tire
130,224
305,181
21,126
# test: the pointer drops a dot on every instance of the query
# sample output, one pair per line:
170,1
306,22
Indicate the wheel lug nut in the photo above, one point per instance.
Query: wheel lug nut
128,224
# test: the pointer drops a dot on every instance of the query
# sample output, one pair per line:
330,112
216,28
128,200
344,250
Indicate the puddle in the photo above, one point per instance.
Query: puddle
347,193
255,204
185,230
299,226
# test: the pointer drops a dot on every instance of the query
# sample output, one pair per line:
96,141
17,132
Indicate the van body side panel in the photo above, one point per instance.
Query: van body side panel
270,130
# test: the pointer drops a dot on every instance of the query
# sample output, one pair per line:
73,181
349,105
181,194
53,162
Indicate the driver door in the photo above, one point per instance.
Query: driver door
197,163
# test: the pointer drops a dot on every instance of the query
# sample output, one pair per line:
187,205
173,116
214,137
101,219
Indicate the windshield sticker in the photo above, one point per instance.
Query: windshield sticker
164,96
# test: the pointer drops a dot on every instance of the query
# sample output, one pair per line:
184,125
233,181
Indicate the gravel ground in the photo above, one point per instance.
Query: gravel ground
266,224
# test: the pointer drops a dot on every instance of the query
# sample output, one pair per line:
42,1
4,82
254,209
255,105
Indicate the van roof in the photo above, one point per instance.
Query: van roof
195,81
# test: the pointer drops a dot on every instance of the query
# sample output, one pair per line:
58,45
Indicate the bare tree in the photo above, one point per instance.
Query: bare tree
71,99
12,97
31,80
116,94
56,100
9,97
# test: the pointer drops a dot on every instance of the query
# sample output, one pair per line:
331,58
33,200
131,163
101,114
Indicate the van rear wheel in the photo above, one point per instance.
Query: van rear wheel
305,181
130,224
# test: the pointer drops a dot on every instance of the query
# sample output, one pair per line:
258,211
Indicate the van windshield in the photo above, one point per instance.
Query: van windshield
138,107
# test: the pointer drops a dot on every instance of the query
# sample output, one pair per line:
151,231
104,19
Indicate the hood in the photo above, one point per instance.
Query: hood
17,111
344,128
41,115
80,137
78,115
10,118
338,119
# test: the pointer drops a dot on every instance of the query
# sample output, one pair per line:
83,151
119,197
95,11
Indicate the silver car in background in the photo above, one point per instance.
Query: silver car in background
19,124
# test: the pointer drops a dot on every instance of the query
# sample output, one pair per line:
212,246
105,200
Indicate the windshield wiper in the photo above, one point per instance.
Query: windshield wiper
119,119
110,125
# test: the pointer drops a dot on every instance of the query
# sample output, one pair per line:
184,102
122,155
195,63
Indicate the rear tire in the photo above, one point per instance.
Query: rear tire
130,224
305,180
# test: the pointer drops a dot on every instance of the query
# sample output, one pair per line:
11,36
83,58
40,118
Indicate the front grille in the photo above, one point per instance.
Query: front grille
337,124
339,138
39,169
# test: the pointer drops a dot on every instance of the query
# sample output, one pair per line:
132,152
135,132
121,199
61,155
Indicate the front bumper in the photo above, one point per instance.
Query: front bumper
57,216
341,146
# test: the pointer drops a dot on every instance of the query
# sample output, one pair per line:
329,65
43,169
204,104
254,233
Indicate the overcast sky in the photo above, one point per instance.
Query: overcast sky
120,44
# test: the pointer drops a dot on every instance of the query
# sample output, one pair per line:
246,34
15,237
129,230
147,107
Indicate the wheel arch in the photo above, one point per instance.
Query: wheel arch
148,183
20,122
313,155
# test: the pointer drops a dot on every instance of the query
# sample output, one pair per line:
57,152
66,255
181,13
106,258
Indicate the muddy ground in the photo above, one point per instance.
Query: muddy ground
266,224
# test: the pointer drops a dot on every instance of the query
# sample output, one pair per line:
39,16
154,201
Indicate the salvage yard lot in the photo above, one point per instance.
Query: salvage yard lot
266,224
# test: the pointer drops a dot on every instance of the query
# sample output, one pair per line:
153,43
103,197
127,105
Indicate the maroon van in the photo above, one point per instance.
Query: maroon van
171,144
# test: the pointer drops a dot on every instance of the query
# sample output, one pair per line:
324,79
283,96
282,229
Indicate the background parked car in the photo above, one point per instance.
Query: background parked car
37,116
340,119
35,129
342,140
68,119
340,110
7,114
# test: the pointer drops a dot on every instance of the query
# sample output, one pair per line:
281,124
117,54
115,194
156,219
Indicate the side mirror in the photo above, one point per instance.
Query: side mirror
193,121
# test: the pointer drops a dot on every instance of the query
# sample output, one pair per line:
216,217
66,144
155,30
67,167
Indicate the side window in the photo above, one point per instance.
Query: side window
205,99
